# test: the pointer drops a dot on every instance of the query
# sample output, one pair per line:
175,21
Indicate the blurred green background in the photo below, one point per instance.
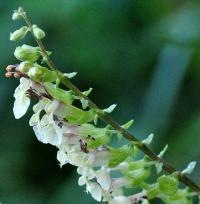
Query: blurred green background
143,55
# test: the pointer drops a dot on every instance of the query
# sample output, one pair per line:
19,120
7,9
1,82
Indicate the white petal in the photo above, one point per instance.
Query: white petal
52,106
40,105
50,135
77,158
95,190
38,133
21,106
81,180
103,178
34,120
47,135
22,102
61,157
44,120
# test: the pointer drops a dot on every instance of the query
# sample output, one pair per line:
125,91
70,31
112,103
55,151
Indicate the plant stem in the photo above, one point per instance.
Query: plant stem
108,120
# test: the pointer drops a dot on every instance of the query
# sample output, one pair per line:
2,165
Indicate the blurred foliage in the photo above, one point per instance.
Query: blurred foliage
142,55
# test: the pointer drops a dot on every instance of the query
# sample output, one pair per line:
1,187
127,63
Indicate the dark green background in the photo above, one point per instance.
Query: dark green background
143,55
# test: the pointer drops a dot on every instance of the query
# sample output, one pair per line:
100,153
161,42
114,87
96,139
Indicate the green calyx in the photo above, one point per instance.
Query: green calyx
64,96
38,32
168,185
118,155
27,53
19,34
25,66
41,74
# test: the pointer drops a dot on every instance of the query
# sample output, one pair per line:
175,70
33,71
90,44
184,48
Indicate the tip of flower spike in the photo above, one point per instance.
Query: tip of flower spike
190,167
17,15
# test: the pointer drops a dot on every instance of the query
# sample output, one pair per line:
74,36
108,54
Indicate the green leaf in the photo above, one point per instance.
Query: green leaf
64,96
118,155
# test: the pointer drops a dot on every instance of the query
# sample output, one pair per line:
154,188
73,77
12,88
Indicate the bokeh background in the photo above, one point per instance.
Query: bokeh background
143,55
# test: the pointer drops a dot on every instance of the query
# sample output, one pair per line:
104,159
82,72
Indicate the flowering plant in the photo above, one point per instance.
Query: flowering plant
106,171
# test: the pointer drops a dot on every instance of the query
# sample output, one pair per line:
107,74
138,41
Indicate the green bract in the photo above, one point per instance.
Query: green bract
27,53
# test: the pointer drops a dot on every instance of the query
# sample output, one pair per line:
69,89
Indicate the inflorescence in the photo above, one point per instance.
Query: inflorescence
106,171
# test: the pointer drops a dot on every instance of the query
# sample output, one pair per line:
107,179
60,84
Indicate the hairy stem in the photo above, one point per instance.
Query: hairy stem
108,120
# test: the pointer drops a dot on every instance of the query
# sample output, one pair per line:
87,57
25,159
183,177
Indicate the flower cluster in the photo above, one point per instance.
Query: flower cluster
106,171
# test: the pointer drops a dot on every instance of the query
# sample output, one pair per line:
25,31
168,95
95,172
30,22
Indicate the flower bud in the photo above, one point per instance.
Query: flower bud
19,34
35,73
38,32
8,74
24,66
9,68
27,53
16,16
16,75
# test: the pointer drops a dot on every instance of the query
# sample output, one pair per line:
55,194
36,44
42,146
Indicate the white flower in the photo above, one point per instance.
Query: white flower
103,178
87,173
46,129
37,108
120,200
95,190
48,134
77,158
61,157
22,101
